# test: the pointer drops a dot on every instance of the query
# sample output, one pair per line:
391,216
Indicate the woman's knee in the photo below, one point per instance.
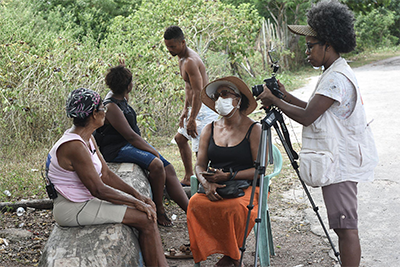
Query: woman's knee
156,165
138,219
345,234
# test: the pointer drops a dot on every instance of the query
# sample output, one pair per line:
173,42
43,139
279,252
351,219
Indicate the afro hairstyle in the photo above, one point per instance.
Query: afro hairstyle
334,24
118,79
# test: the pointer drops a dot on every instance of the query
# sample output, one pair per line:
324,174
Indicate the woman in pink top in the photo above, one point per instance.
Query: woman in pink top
88,191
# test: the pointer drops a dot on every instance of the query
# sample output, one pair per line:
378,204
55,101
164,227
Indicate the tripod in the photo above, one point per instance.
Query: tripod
271,119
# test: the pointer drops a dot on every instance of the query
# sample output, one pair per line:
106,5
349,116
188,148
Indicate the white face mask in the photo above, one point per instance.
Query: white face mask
224,106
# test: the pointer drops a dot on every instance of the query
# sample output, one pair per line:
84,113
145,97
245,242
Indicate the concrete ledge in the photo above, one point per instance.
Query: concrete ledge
99,245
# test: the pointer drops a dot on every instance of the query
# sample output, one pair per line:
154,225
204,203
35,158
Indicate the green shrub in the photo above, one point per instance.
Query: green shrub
373,29
214,30
38,69
41,61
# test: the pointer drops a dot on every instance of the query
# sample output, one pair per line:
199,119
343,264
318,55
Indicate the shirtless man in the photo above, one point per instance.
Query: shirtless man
194,115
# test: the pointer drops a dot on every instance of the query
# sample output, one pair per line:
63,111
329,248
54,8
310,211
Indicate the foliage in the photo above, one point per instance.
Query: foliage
366,6
373,29
85,18
38,69
281,13
40,62
395,28
212,29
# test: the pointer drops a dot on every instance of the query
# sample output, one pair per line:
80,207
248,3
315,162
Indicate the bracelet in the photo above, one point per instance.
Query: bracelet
233,176
231,173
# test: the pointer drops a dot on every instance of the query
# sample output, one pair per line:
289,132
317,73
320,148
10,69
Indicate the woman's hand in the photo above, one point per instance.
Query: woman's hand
267,98
211,191
148,201
150,210
215,175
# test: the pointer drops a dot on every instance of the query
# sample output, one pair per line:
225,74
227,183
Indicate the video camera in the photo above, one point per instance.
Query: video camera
271,83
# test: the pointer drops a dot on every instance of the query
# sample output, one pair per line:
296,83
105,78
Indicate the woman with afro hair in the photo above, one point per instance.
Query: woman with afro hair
338,148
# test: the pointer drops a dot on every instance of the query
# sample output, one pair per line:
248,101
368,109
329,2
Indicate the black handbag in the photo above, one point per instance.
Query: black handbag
233,188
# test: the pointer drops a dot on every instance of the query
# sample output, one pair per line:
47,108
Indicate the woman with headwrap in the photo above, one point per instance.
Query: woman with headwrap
88,192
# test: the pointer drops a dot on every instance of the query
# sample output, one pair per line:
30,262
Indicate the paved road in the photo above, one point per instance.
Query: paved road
379,201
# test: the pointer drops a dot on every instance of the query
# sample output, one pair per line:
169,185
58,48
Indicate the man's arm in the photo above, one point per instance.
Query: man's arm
186,106
196,83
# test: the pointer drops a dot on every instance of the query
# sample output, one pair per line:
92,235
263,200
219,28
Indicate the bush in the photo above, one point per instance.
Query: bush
373,29
41,62
38,69
217,32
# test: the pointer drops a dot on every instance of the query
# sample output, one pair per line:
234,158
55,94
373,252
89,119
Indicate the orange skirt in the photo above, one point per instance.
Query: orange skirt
218,227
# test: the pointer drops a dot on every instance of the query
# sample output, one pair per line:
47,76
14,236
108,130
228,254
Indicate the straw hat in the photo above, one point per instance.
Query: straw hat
305,30
232,82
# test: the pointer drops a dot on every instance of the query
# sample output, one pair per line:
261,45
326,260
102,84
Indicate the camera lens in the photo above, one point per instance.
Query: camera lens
257,89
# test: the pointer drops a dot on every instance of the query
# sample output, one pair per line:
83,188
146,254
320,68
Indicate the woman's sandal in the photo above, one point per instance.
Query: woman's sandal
184,253
169,223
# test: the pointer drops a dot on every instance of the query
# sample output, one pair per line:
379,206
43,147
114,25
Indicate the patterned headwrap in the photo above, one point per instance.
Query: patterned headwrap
81,103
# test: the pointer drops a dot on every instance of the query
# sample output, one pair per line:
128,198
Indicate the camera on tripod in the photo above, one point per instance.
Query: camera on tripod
271,83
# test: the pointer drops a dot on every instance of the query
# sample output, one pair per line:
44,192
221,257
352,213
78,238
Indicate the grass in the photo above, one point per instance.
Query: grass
20,173
373,56
20,166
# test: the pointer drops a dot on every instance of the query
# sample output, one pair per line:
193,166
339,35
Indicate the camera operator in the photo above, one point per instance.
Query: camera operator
338,149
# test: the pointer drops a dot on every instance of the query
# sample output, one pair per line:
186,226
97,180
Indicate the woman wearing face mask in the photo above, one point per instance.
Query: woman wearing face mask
227,151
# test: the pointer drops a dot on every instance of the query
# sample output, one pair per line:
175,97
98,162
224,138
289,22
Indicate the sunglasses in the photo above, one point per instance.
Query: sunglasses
309,46
223,93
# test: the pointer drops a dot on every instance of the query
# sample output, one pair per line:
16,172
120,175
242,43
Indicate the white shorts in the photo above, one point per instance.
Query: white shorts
205,116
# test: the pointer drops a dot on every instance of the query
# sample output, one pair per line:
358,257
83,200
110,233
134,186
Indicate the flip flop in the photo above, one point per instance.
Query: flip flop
169,223
185,185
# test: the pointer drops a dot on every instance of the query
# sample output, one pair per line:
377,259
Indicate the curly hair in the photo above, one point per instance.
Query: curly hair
118,79
174,32
334,24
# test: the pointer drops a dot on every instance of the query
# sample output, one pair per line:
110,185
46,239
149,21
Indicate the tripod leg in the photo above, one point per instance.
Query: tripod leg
259,172
260,225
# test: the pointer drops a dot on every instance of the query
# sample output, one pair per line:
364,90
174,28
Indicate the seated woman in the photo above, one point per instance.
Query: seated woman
229,146
89,192
120,141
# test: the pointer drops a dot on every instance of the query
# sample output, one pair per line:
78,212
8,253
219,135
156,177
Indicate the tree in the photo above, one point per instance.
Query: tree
373,29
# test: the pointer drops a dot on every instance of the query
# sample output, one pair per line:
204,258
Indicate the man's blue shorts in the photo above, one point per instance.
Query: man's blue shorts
142,158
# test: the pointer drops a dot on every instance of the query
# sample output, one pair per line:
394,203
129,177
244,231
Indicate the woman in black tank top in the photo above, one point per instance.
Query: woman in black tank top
228,149
120,141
